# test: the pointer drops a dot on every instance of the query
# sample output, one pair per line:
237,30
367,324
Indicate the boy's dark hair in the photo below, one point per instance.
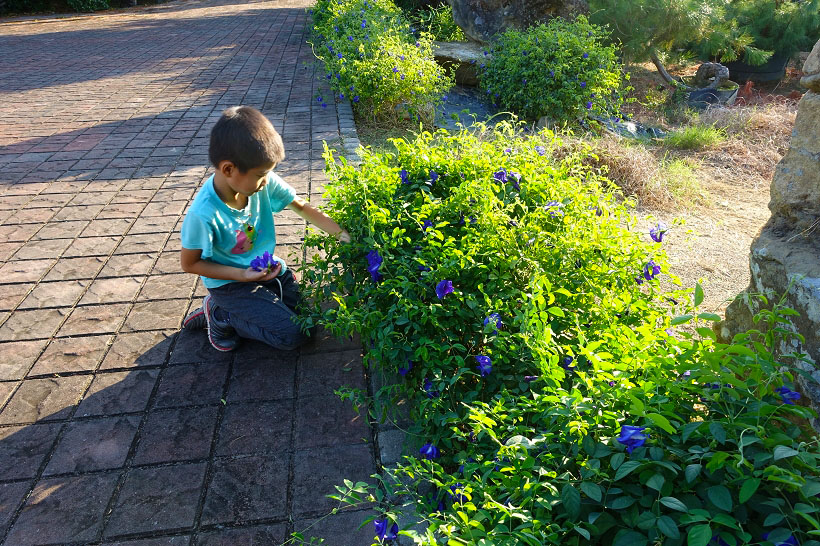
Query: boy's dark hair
246,138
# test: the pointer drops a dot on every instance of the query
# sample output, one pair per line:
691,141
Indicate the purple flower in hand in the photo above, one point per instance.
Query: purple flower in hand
658,232
374,262
429,452
443,288
788,396
266,262
632,437
485,365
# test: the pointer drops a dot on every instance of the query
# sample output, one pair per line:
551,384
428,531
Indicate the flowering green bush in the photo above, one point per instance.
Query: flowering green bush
555,397
372,58
563,70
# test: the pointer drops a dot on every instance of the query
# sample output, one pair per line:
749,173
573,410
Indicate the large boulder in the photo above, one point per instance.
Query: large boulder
481,19
785,257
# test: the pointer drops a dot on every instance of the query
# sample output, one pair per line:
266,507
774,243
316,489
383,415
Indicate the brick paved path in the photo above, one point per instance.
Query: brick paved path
115,427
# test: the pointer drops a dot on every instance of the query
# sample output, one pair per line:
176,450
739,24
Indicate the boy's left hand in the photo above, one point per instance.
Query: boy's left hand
344,236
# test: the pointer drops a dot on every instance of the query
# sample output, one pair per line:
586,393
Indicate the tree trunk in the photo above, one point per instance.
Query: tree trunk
653,55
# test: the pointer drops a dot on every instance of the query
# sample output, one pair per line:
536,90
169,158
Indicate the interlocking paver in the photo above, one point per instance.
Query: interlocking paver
116,427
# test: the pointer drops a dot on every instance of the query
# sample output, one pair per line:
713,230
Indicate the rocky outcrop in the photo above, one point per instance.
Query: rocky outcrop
481,19
785,257
463,58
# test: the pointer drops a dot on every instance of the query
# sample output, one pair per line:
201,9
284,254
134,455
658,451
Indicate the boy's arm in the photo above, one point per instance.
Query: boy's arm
319,219
191,262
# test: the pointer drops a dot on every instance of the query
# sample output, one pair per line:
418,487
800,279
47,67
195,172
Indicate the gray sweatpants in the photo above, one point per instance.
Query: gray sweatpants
263,311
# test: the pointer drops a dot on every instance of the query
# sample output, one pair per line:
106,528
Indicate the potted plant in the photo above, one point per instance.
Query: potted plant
756,38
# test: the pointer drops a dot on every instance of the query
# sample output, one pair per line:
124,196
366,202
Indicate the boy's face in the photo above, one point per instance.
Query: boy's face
250,182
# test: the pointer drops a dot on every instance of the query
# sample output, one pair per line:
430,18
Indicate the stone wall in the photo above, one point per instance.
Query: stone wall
785,257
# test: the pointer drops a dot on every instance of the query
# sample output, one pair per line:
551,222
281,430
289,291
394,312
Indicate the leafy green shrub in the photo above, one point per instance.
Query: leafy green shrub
562,70
520,312
371,57
84,6
438,22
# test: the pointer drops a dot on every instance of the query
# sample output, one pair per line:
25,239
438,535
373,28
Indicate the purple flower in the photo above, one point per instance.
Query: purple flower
632,437
456,493
429,452
364,23
788,396
356,98
324,105
598,211
530,378
611,383
658,232
541,150
485,365
494,317
443,288
583,84
266,262
791,541
516,180
404,369
566,363
382,532
350,38
339,55
650,270
318,99
428,388
501,175
424,268
589,105
507,151
433,176
395,69
403,175
341,96
585,55
374,262
426,225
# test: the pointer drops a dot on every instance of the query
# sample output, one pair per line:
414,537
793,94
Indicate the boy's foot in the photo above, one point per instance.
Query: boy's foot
195,320
220,334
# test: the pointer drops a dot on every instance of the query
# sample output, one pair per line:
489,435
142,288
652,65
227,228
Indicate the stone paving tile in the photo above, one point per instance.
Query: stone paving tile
72,354
316,472
139,349
178,434
323,373
24,270
18,357
107,226
193,347
255,428
75,268
188,384
23,449
246,489
11,495
156,315
118,392
51,513
326,421
176,285
12,295
8,249
181,540
40,323
44,399
157,499
339,529
97,444
259,378
120,289
92,246
42,249
145,243
94,319
263,535
128,265
54,294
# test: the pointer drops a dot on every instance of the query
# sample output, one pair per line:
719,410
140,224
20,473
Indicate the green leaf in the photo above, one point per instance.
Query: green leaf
698,294
592,490
625,469
680,320
674,504
616,460
692,472
782,452
572,501
773,519
662,422
629,538
621,502
709,316
748,489
699,535
810,488
668,527
689,428
717,431
656,482
706,332
720,497
557,311
583,532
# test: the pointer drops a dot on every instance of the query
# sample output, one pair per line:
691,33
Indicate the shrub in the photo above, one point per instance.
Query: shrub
523,316
438,22
84,6
695,137
371,57
561,70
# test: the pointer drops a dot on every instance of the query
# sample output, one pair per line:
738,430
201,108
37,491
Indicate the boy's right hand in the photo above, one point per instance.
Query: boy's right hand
252,275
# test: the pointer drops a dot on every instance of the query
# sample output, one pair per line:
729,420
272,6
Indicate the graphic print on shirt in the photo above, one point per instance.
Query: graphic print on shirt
245,238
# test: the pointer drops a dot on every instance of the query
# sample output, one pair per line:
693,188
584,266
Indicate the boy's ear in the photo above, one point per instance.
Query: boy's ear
227,168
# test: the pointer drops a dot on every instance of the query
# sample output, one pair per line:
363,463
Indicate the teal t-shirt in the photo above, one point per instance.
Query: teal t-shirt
235,237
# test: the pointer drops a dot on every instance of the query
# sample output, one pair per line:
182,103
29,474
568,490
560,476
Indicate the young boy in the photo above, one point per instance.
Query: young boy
230,223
